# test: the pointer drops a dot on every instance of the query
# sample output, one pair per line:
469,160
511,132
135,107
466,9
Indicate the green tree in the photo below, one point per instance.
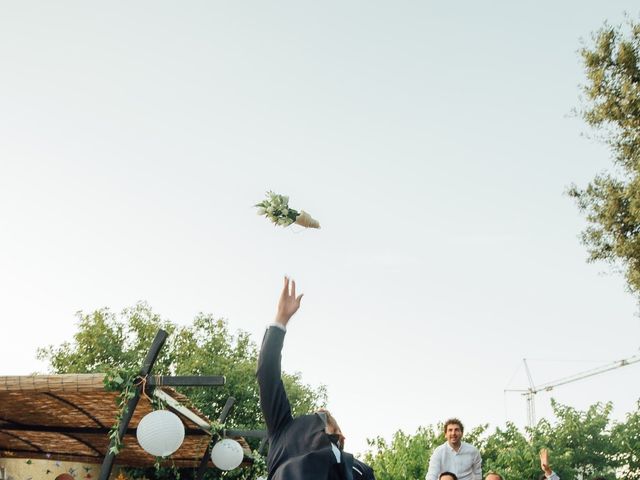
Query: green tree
405,457
508,452
626,445
105,340
579,442
611,202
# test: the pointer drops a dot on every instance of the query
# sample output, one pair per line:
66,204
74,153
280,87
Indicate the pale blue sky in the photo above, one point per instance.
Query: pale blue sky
433,141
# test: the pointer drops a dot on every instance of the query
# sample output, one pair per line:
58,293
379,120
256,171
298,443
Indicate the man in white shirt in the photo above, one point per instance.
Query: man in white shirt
455,456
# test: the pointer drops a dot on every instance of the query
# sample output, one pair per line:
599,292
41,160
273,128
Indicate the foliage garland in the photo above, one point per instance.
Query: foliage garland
126,382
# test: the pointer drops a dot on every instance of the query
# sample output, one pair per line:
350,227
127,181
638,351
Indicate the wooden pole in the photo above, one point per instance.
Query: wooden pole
149,361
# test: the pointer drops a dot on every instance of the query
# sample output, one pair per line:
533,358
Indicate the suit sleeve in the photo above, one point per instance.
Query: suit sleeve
273,397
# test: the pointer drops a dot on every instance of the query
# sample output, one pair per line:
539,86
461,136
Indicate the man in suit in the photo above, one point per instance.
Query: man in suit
308,447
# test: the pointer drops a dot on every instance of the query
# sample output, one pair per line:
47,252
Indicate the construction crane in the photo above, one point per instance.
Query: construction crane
530,393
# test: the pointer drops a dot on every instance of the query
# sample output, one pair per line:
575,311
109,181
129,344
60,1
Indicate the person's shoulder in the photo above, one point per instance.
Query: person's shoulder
440,448
469,447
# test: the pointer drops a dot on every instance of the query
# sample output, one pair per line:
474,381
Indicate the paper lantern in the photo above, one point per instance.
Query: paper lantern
227,454
160,433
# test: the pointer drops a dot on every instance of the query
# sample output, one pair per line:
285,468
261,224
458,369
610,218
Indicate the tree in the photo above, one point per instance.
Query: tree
405,457
509,453
105,341
611,202
626,441
580,442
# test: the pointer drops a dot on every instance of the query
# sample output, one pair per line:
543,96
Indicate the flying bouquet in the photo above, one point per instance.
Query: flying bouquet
276,208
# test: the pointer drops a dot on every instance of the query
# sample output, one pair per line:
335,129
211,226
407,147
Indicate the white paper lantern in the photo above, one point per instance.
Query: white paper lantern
227,454
160,433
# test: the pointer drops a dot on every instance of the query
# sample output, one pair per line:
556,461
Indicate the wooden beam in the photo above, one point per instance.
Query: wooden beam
245,433
149,361
186,381
63,430
177,407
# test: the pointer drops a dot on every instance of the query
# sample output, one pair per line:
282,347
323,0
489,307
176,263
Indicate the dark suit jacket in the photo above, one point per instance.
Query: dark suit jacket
299,448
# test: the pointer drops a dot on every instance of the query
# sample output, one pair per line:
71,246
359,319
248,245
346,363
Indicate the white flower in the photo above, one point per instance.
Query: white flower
261,211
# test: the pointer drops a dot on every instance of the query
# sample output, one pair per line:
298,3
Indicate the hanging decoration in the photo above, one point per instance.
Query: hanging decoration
160,433
227,454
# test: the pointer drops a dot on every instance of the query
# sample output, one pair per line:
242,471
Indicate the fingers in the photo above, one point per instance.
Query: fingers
289,290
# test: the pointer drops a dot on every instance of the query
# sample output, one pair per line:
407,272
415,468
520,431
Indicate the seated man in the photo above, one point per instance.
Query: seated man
307,447
455,456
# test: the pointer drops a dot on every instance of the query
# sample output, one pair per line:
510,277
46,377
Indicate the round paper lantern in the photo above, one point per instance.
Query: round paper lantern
160,433
227,454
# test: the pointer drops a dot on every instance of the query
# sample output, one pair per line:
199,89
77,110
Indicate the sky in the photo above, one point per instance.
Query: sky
434,142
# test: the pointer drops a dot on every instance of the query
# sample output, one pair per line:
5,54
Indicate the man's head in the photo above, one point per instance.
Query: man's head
453,430
493,476
447,476
332,428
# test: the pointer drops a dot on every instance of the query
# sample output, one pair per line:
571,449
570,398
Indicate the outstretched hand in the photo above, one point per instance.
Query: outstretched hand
288,303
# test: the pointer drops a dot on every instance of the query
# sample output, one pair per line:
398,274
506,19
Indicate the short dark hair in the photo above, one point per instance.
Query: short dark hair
452,475
453,421
494,473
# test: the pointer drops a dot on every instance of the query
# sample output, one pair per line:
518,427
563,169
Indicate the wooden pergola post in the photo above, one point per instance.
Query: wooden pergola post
149,361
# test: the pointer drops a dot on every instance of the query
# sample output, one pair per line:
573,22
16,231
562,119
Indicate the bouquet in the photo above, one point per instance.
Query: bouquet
276,208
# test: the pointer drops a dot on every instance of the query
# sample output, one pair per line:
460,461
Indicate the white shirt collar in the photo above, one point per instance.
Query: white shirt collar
336,452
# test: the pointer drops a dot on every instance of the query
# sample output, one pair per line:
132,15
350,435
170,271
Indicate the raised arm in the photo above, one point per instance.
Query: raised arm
273,397
544,465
